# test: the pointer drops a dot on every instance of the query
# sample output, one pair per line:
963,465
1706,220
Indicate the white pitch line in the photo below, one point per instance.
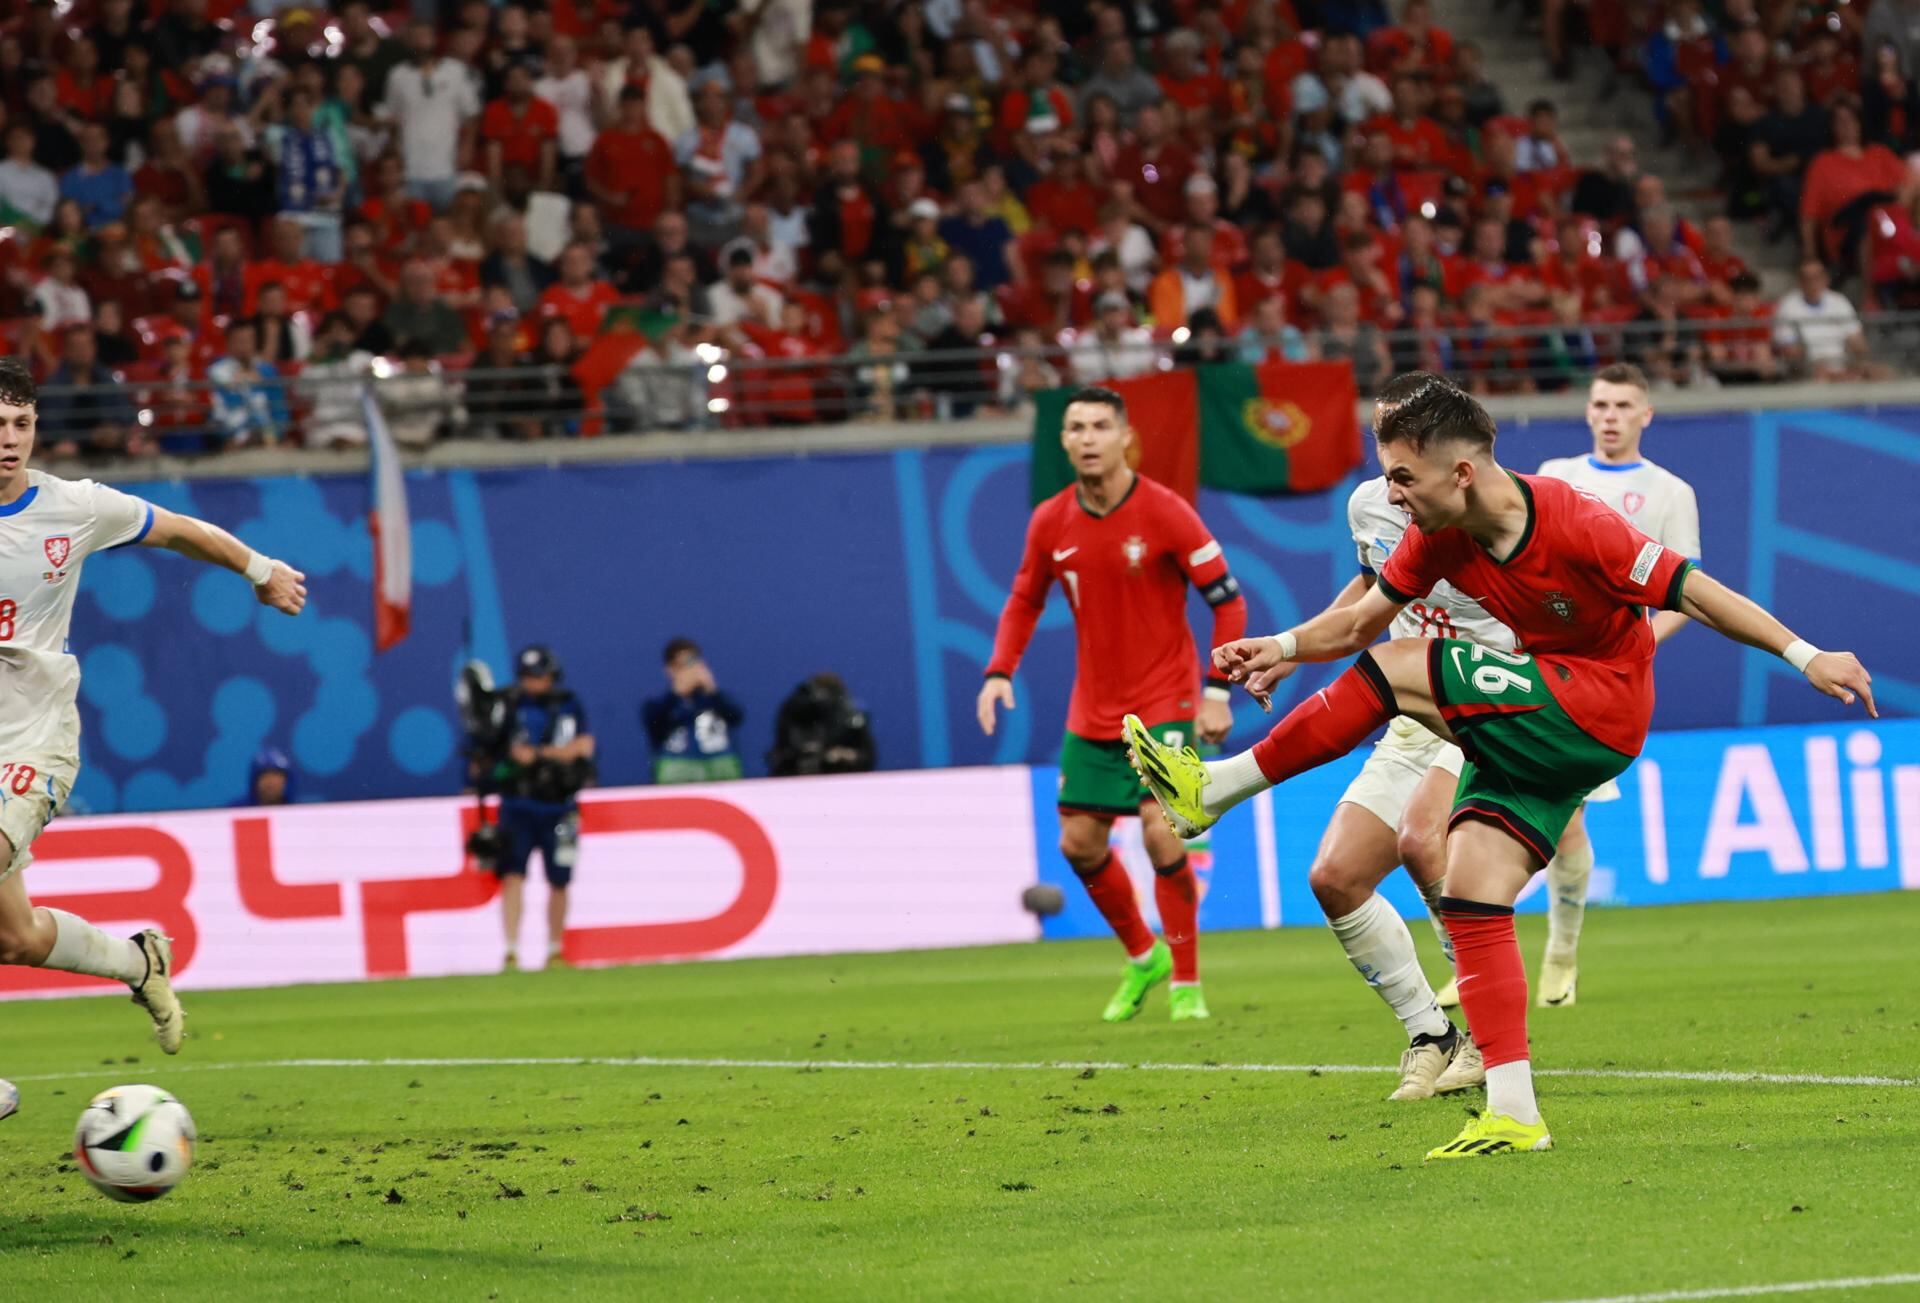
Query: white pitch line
1755,1291
971,1065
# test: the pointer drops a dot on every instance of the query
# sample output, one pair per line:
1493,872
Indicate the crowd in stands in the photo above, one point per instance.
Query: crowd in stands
544,219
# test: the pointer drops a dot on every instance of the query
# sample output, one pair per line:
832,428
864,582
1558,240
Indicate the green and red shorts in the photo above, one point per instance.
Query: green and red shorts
1096,779
1529,766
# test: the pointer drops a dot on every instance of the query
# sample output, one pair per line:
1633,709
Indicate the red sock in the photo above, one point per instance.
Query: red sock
1327,725
1493,979
1112,892
1176,892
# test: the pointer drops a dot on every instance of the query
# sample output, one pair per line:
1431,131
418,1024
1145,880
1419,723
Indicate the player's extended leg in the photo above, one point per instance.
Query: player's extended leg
1084,840
1486,868
1568,875
1176,894
1357,851
1387,680
53,938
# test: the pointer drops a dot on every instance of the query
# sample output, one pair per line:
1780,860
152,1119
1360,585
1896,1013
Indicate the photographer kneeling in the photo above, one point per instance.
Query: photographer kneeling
549,758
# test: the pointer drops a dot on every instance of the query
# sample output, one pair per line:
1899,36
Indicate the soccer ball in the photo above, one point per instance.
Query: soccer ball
134,1143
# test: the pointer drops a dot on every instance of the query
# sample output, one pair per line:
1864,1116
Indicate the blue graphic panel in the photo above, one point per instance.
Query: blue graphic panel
888,568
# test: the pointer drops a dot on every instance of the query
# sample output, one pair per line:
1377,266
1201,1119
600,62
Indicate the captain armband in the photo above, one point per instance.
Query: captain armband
1221,591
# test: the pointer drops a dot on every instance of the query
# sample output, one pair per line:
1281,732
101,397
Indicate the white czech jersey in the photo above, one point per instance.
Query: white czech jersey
1654,500
45,534
1446,612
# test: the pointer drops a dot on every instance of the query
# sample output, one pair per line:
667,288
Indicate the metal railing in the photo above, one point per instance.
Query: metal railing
710,389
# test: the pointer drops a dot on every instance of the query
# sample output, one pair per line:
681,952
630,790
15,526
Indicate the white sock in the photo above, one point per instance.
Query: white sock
1381,950
1232,781
1510,1091
1567,878
1431,893
80,947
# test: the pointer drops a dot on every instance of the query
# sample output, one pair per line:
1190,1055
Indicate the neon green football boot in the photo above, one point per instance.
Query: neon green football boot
1186,1003
1136,980
1176,779
1494,1133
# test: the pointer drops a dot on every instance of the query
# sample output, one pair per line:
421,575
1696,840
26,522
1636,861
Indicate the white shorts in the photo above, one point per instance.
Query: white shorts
31,793
1398,763
1607,791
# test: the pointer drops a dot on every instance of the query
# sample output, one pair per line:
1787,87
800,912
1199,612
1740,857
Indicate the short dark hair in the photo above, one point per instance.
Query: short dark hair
678,647
16,384
1435,409
1100,394
1623,373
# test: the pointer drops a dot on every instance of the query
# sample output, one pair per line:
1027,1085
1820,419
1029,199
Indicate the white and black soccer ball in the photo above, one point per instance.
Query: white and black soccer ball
134,1143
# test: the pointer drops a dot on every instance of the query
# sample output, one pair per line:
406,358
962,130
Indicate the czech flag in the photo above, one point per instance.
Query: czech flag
392,534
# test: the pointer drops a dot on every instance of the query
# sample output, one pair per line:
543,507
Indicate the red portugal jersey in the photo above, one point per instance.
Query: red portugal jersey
1575,592
1126,575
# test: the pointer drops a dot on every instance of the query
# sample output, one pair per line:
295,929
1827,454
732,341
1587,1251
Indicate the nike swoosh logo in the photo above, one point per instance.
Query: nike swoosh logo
1464,980
1062,556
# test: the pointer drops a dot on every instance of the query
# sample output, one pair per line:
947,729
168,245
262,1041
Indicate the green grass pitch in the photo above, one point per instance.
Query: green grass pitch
543,1181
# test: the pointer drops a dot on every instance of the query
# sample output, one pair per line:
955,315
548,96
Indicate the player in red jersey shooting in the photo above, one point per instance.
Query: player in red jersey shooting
1541,726
1124,548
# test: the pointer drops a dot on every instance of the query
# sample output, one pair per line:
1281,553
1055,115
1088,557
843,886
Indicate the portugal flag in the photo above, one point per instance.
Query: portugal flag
1282,427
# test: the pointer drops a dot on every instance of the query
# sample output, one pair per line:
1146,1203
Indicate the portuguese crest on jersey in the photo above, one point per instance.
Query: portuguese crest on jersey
1560,604
1135,550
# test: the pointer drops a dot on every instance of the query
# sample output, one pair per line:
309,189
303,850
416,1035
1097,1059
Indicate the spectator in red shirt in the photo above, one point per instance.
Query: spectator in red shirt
631,171
1718,261
1203,214
1037,103
396,216
1187,81
223,276
870,117
362,264
1415,44
83,89
578,298
1051,302
1741,351
1360,267
1065,200
1842,185
1268,273
309,284
1156,167
1418,141
1830,71
168,174
1510,287
519,128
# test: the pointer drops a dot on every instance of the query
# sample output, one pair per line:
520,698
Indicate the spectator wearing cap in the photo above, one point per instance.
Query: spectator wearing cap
98,184
983,237
631,171
958,152
28,191
1037,103
739,297
1227,241
1120,79
270,778
921,247
509,265
720,159
518,129
1194,281
434,104
419,314
1115,348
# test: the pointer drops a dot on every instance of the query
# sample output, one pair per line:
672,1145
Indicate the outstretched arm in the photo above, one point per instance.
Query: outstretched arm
1838,674
1344,628
275,583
